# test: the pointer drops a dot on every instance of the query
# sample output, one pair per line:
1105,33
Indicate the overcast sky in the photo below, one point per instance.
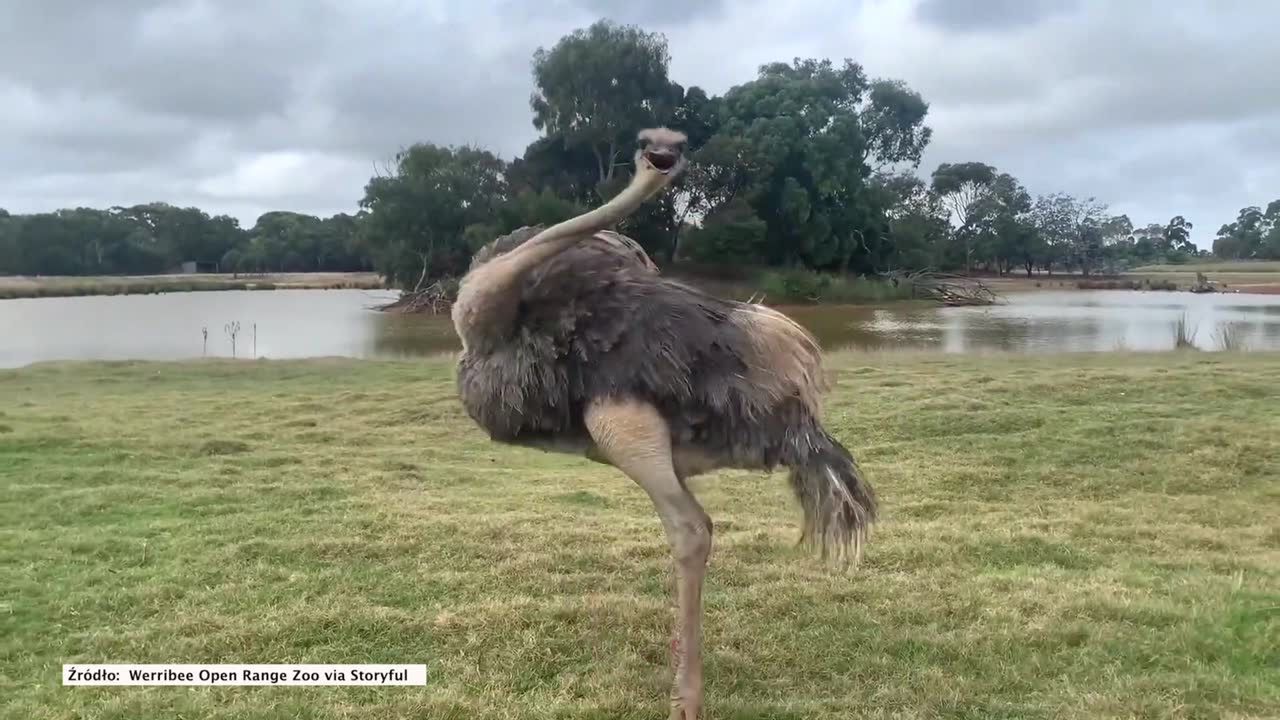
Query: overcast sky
1157,108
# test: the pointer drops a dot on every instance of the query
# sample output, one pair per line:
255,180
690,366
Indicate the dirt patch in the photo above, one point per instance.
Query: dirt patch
1271,289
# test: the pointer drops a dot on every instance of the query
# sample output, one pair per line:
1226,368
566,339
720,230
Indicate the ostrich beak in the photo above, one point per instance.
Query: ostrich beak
664,160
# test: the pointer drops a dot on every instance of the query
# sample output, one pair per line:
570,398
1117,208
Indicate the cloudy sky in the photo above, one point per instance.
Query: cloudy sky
1157,108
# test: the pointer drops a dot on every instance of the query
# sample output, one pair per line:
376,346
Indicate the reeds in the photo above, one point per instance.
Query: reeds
1184,334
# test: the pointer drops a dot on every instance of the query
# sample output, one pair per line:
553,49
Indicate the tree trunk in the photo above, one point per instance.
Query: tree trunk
418,286
599,163
605,162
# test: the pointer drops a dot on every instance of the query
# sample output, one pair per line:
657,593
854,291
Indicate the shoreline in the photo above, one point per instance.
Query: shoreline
28,287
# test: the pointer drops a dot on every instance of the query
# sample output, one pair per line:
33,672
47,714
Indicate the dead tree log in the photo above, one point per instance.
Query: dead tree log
434,299
951,290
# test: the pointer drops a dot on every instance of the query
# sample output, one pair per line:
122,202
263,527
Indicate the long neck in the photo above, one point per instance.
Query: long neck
485,311
562,235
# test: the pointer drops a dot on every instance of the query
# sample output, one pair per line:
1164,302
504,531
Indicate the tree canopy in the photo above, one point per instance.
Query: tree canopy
812,163
1255,234
600,85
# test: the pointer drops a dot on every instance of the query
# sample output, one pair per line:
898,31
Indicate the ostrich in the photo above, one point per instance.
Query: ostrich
572,342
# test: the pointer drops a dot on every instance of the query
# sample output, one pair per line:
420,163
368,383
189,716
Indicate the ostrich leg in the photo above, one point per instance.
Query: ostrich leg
634,438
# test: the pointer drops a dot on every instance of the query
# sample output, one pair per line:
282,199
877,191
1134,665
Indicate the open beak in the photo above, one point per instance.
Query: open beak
662,160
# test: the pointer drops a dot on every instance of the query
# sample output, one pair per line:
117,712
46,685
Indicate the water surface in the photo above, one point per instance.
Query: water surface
316,323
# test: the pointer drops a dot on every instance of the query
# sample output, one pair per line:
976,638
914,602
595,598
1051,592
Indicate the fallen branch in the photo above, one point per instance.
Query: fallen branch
951,290
433,299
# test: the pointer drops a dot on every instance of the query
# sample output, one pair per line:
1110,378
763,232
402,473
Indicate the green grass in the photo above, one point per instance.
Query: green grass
1220,266
1091,536
68,286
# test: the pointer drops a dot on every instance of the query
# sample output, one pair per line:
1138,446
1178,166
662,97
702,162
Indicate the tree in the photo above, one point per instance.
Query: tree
918,229
548,164
793,144
156,237
1243,238
1072,229
1270,245
524,209
732,234
286,241
1000,223
1177,236
48,244
962,186
1052,215
1087,219
657,224
717,174
342,249
10,257
893,122
598,86
1117,241
696,115
1147,242
1254,234
417,217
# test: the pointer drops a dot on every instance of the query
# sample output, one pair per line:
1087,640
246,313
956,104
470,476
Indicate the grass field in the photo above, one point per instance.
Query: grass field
1091,536
1252,276
67,286
1222,266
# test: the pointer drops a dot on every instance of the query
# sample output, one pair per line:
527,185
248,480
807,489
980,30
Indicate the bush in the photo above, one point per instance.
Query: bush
796,285
732,235
799,285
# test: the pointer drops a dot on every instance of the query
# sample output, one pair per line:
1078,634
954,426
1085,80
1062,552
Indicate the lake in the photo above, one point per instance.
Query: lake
314,323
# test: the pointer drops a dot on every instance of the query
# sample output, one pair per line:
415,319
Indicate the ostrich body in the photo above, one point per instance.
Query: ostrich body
573,342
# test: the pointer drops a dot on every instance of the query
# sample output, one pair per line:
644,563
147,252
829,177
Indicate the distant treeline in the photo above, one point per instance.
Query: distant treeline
157,238
810,165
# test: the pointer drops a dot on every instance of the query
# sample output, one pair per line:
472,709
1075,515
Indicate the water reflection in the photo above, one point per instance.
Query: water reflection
310,323
1081,321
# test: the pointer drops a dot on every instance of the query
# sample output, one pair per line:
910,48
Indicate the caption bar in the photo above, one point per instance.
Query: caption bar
244,674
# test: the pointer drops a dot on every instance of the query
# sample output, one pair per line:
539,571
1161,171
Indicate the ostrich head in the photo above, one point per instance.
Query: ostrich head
660,158
660,155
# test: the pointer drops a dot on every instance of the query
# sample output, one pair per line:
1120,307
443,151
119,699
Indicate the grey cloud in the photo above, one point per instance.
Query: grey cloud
654,14
989,15
1143,106
242,107
217,62
1259,138
395,100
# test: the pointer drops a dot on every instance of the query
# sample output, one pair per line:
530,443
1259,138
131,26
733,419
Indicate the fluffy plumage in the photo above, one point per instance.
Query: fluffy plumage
738,384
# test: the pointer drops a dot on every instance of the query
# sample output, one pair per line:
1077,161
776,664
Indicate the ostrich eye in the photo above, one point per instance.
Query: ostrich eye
642,143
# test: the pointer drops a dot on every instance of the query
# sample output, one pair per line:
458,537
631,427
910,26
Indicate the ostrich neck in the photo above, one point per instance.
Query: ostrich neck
560,236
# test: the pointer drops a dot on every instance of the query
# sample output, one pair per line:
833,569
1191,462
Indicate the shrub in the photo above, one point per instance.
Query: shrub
798,285
732,235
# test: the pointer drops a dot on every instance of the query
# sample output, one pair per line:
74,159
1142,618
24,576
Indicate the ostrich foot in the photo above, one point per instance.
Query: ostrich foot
685,710
686,691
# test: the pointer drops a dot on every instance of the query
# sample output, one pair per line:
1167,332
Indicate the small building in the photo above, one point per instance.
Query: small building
191,267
